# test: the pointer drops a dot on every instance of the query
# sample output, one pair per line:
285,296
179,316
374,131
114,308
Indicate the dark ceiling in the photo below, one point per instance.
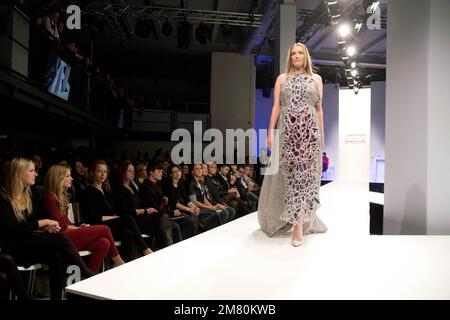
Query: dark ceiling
246,26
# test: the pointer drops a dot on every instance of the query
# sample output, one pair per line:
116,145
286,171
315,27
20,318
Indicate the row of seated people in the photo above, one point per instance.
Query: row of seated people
36,228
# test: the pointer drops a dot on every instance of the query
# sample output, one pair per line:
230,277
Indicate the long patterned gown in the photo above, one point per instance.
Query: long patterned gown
292,193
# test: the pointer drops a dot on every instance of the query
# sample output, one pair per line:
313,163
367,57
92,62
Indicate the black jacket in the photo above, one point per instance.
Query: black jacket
12,231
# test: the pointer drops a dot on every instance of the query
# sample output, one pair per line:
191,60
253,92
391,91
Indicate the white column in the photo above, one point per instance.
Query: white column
438,206
232,92
417,193
285,35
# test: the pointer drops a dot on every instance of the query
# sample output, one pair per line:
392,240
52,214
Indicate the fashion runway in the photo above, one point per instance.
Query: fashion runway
238,261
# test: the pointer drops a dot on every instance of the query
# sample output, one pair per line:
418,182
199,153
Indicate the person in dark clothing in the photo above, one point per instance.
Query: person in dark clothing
39,48
98,208
152,196
129,203
12,278
178,200
210,215
28,238
79,180
219,194
231,191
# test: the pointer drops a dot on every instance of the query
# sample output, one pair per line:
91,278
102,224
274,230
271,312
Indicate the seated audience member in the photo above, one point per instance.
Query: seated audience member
128,202
228,197
152,196
186,173
27,237
210,215
230,210
235,182
179,202
97,239
141,175
80,179
249,177
98,209
248,187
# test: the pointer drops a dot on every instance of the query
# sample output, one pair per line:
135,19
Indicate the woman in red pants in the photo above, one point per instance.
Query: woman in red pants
97,239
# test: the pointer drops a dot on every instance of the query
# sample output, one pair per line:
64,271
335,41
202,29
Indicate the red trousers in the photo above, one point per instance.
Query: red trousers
97,239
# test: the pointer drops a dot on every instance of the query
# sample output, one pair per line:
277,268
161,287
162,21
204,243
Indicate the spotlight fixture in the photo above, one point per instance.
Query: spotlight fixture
353,65
344,30
356,89
351,51
358,26
201,33
333,9
184,34
354,72
167,28
143,29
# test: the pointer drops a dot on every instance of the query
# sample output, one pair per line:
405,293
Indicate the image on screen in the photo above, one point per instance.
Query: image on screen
57,78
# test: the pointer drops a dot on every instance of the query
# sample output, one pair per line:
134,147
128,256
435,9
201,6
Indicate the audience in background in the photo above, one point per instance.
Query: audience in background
96,238
27,236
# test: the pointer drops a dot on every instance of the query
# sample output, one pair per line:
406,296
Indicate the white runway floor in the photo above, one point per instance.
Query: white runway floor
238,261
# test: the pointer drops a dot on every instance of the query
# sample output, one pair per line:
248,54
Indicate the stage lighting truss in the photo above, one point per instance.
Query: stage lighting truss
313,22
152,12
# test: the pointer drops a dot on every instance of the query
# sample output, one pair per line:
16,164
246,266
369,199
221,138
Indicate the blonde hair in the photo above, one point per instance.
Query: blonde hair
307,64
54,183
17,192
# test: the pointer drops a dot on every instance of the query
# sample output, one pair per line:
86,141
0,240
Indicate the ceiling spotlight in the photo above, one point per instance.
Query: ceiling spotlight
344,30
201,33
354,72
353,65
184,34
167,28
358,27
333,11
351,51
143,29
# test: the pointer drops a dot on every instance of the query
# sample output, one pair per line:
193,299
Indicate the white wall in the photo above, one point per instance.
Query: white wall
354,135
417,116
377,130
438,201
330,107
232,91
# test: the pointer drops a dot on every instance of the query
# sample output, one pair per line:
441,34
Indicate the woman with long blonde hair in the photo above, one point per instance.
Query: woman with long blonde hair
26,235
290,196
97,239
